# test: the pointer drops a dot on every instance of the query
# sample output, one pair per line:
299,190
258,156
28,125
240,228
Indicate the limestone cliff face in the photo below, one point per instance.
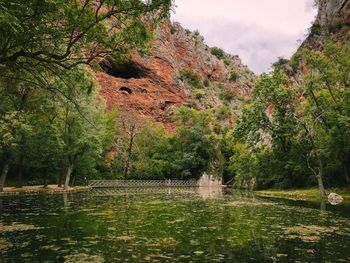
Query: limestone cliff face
332,23
152,85
333,11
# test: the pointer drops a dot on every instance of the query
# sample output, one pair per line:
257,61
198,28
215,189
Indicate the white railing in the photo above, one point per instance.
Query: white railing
141,183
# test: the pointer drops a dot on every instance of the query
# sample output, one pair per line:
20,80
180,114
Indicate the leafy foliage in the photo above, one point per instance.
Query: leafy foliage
217,52
51,118
191,78
289,136
234,76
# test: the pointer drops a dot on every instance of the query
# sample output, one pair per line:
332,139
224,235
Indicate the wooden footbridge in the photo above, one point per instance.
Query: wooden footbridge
142,183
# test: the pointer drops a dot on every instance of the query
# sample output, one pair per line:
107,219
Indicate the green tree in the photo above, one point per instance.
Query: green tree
267,130
44,36
130,125
44,45
326,111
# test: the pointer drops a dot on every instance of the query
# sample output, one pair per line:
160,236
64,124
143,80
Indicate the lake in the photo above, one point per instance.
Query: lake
170,225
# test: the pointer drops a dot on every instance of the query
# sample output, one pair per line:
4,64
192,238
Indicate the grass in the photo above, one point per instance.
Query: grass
310,194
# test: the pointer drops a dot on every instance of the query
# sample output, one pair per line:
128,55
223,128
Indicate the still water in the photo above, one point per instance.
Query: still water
170,225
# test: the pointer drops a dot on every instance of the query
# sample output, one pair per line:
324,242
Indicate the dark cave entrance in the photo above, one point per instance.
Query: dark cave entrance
124,71
126,90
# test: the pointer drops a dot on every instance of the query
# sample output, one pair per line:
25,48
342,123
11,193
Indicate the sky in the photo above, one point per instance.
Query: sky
259,31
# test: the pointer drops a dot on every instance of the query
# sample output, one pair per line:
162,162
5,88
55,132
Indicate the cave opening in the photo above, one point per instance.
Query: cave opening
123,70
126,90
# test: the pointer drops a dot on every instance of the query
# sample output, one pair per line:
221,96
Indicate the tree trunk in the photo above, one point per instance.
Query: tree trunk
320,177
20,176
73,179
68,175
45,178
3,176
128,161
346,172
126,170
60,178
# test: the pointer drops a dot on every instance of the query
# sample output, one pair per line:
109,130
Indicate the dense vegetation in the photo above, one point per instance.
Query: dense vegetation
51,119
295,132
145,151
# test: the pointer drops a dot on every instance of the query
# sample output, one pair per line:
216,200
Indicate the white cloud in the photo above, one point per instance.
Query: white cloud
259,31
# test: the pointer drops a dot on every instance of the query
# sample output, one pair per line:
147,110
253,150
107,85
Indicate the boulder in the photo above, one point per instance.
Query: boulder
335,199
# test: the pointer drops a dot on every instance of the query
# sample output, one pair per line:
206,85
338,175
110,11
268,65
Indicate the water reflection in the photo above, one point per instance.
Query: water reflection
169,225
210,192
203,192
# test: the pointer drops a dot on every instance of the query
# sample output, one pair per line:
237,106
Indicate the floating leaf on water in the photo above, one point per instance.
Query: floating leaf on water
198,253
4,244
247,203
17,227
311,229
194,242
125,238
83,258
50,247
26,255
281,255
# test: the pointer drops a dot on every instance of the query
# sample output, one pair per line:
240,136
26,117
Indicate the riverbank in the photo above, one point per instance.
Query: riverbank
311,194
40,189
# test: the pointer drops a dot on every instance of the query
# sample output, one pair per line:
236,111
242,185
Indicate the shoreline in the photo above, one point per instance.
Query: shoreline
311,194
36,189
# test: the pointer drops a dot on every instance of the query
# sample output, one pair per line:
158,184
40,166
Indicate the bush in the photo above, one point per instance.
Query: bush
223,112
227,62
199,94
226,94
234,76
280,63
206,83
315,30
172,29
191,78
96,67
217,52
335,27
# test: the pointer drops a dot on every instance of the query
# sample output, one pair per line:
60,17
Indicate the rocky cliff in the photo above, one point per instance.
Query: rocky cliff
332,23
333,12
179,70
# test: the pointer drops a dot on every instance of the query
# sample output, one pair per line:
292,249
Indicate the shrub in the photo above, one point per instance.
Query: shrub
315,30
335,27
234,76
206,83
227,62
217,52
221,86
96,67
191,78
226,94
172,29
280,63
223,112
199,94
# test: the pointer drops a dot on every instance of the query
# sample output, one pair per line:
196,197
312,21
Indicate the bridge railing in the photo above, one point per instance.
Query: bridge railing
141,183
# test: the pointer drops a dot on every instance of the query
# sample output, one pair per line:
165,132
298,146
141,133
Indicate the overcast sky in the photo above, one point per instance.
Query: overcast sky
259,31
